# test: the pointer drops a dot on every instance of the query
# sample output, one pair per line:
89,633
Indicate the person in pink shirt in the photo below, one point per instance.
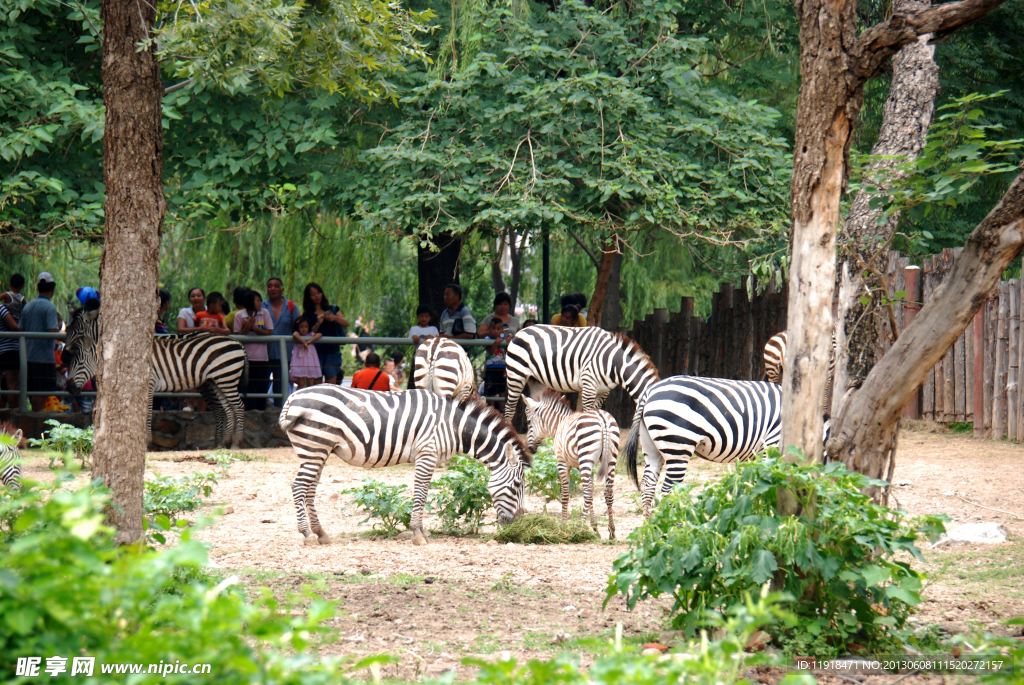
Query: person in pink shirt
254,319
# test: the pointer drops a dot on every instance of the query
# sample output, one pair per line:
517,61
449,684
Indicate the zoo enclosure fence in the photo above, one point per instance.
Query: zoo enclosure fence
281,340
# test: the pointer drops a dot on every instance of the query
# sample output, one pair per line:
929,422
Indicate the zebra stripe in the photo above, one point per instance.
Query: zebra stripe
717,419
377,429
582,440
443,367
10,458
589,360
213,364
774,364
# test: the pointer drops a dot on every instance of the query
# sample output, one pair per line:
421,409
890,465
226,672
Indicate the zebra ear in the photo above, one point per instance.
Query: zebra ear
531,403
17,437
92,315
511,454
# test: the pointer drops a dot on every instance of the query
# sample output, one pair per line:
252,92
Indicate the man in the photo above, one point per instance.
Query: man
38,316
372,377
283,314
456,319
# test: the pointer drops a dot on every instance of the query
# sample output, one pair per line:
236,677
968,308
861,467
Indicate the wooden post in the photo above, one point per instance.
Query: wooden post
991,337
912,276
659,326
979,373
1014,360
1020,370
928,388
1002,351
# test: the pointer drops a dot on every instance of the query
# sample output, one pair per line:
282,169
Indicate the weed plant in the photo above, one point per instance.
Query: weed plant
388,504
461,497
542,478
64,439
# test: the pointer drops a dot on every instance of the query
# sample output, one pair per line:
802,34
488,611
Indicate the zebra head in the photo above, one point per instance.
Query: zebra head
10,458
544,415
80,348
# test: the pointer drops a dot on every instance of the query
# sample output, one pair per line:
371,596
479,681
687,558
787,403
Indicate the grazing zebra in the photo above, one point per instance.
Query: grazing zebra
10,458
214,364
582,441
718,419
443,367
589,360
774,363
375,429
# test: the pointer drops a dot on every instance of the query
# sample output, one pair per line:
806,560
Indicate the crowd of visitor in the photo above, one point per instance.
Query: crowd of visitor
311,355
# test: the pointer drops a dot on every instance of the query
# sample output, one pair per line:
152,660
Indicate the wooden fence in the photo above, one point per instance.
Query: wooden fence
980,374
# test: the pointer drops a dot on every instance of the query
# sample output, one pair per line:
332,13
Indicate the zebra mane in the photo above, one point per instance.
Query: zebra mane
479,408
7,431
550,398
633,347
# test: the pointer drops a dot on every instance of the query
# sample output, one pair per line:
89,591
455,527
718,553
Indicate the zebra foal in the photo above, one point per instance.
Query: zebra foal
582,440
443,367
377,429
10,459
213,364
589,360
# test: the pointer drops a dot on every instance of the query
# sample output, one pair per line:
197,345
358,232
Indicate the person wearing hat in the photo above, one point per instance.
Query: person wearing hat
38,316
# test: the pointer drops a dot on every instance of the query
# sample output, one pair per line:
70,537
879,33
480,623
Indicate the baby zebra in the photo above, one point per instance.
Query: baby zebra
374,429
581,441
10,459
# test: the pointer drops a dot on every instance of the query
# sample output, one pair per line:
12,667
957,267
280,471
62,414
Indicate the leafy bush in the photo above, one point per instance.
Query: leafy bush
709,549
63,439
166,496
461,497
66,590
540,529
542,478
224,460
387,503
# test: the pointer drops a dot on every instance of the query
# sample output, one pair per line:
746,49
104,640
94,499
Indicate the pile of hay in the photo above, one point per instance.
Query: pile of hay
539,529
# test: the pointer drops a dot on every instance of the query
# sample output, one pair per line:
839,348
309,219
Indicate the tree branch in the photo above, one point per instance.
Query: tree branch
593,258
178,86
880,42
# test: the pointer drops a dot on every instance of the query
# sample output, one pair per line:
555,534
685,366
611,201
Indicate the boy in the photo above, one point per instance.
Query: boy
212,319
423,331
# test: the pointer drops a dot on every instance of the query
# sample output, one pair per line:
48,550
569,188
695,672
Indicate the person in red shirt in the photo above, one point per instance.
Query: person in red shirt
372,377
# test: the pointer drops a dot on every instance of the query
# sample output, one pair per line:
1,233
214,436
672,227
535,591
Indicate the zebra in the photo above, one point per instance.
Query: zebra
376,429
215,364
443,367
774,364
582,440
10,458
588,360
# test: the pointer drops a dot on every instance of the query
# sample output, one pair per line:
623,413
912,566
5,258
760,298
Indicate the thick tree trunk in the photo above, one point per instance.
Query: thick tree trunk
834,64
605,310
867,423
864,240
132,173
497,280
438,269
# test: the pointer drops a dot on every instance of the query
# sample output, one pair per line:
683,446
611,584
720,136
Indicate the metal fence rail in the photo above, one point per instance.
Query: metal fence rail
282,341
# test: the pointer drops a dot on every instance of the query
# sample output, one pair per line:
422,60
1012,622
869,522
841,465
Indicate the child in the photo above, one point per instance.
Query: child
423,331
212,319
305,367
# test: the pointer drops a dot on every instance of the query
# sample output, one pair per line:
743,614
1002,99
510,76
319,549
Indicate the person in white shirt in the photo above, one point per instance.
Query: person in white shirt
423,331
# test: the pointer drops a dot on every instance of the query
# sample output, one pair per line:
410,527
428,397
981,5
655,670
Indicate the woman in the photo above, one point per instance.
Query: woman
330,323
501,326
254,319
165,304
570,316
187,316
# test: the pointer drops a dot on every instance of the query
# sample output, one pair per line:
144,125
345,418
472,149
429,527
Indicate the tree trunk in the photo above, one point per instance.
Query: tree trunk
497,281
605,308
834,64
864,241
437,269
517,268
132,173
867,423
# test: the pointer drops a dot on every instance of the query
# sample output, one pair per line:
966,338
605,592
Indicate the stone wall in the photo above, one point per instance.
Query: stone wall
172,430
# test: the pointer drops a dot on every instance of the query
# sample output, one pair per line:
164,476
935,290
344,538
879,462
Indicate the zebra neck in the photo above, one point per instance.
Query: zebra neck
475,438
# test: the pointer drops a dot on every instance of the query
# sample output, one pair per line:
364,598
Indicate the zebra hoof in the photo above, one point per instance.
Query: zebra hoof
405,535
311,541
419,539
324,539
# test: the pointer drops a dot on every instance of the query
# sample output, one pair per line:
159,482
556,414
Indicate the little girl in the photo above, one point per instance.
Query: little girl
305,368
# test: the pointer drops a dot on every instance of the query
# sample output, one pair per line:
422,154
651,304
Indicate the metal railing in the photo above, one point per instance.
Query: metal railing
282,341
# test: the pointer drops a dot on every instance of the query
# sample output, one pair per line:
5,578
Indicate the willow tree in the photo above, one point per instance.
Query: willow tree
834,64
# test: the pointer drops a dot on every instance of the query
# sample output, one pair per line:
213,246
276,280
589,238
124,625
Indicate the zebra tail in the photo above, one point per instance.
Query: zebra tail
631,443
606,459
286,419
245,373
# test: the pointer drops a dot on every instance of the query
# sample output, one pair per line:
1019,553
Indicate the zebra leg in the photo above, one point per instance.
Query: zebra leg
305,482
652,469
675,467
314,521
563,475
234,414
214,400
514,384
424,472
587,478
609,498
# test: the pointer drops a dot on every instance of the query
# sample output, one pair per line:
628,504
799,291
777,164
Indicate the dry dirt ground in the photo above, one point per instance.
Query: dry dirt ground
434,605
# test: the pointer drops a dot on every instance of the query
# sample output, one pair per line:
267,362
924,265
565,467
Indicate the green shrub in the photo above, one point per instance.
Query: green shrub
64,439
66,590
170,497
224,460
387,503
542,478
540,529
708,550
461,497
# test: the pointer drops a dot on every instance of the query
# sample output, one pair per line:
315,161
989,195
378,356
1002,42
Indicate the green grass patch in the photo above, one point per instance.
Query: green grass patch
981,571
539,529
603,644
960,428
